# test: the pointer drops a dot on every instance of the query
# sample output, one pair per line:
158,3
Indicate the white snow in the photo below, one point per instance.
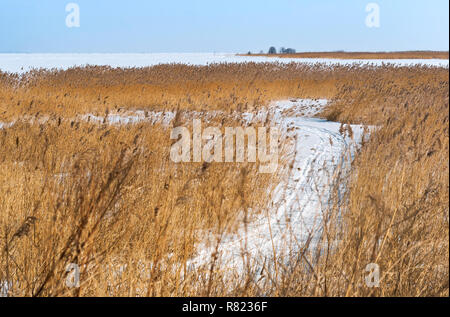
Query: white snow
19,63
317,149
132,117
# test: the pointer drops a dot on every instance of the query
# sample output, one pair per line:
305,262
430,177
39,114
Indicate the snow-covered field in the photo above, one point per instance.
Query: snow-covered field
18,63
316,149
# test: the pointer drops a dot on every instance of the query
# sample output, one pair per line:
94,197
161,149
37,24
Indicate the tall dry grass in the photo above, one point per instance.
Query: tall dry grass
397,213
101,196
228,87
109,199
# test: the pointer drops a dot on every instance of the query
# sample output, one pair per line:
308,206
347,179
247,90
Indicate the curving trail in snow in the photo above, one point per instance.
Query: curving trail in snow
315,150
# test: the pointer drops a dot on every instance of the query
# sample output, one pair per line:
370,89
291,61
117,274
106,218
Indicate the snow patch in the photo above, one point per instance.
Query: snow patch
19,63
316,150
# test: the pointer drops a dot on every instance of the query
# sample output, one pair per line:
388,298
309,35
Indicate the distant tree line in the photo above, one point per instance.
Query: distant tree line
273,50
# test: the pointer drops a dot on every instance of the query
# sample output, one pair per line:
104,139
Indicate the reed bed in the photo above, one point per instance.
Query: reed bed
109,198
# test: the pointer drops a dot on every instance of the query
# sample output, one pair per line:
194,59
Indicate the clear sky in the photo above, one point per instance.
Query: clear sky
115,26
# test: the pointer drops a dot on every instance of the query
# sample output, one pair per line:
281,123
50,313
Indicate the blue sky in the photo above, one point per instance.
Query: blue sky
117,26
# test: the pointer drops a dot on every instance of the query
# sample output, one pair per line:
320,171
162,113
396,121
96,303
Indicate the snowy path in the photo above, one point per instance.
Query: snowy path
316,149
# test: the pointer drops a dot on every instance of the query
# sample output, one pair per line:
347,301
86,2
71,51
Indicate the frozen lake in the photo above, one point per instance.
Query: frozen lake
18,63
